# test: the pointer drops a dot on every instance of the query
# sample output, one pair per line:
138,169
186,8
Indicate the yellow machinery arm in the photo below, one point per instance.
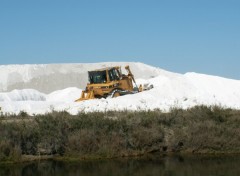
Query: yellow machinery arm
130,74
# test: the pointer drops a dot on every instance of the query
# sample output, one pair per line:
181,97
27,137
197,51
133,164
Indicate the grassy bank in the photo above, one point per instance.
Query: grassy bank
117,134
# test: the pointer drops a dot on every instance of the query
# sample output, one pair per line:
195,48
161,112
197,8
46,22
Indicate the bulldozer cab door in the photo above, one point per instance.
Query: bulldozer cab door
113,74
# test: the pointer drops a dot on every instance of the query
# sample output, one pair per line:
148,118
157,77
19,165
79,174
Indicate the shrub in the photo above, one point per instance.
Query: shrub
200,129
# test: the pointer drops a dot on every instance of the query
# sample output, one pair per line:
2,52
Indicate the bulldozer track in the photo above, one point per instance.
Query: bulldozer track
121,92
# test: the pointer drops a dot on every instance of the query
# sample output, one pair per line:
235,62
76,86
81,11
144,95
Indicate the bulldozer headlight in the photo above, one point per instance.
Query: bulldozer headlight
115,85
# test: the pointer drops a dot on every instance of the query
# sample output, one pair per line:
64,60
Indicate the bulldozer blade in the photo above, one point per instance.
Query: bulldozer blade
86,95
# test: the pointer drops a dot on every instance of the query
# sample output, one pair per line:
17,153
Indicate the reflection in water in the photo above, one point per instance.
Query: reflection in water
167,166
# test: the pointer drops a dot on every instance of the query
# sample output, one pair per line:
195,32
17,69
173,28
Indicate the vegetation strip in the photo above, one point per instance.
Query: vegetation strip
200,129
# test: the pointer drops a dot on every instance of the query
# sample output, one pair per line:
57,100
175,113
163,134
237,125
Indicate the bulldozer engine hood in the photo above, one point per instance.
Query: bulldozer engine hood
102,86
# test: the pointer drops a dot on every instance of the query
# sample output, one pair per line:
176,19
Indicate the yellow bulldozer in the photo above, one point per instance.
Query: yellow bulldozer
109,82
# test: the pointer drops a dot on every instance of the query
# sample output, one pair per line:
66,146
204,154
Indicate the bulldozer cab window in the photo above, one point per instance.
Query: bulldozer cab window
96,77
113,75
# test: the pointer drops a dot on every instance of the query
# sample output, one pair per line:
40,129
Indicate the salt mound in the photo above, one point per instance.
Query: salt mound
65,95
23,95
171,90
47,78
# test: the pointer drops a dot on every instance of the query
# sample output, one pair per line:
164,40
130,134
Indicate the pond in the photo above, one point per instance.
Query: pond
143,166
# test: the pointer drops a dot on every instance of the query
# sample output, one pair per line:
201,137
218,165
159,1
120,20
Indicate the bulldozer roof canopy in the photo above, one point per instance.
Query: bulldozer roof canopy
106,68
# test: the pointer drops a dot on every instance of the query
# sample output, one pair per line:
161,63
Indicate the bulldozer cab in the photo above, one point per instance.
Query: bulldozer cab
104,76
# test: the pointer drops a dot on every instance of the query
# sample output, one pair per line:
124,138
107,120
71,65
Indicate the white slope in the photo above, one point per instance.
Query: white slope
22,95
47,78
170,90
68,95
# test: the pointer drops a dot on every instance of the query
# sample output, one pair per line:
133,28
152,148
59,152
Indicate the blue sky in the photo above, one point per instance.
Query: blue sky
176,35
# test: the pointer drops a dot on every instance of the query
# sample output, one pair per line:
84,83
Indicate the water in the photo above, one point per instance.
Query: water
151,165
